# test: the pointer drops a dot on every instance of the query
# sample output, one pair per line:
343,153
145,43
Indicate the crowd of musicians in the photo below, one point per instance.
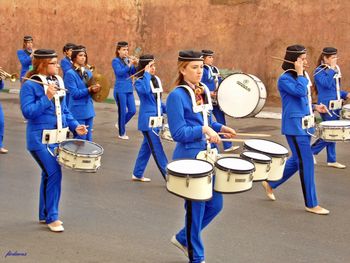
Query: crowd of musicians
44,91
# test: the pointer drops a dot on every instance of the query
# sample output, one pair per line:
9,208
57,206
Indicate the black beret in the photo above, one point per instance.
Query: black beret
122,44
27,38
292,54
68,46
190,55
207,52
45,53
79,48
329,51
146,58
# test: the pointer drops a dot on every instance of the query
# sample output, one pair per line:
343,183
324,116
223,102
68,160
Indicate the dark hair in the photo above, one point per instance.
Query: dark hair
76,50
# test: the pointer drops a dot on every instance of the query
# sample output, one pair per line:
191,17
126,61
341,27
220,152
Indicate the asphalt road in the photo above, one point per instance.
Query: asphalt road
109,218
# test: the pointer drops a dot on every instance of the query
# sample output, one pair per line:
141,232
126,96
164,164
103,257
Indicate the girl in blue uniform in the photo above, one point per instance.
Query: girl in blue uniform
38,105
123,68
2,124
66,62
188,130
149,89
25,55
80,101
211,77
294,87
326,76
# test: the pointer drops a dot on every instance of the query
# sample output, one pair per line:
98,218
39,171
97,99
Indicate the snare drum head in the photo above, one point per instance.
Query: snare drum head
255,156
266,147
81,147
235,164
336,123
192,167
239,94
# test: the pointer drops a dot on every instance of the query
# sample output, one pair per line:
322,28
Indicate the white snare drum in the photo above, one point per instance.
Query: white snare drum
190,179
337,130
241,95
262,164
276,151
345,112
233,175
80,155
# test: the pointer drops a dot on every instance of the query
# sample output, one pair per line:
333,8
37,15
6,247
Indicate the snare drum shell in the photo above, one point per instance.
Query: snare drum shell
191,188
334,133
79,162
262,167
232,183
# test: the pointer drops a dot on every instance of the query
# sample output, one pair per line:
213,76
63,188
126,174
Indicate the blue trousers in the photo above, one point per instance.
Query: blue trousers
151,144
88,136
50,187
220,118
302,161
198,215
2,126
320,144
126,109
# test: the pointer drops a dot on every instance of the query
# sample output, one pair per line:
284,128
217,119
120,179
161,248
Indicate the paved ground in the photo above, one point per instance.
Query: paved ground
108,218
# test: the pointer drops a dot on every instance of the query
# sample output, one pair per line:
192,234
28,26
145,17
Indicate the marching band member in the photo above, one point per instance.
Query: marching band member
80,101
66,62
149,89
211,77
188,129
40,105
123,91
2,124
327,74
25,55
294,87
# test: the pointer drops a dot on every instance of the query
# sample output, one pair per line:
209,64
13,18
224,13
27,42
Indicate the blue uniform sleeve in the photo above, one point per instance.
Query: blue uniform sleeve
180,131
324,78
65,65
298,89
1,84
74,91
216,126
343,94
120,70
71,122
205,76
31,106
143,85
24,59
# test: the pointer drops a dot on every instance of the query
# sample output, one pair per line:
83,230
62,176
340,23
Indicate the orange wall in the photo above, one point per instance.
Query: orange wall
244,33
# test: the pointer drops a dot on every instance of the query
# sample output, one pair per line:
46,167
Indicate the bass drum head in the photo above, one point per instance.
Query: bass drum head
81,147
192,167
241,95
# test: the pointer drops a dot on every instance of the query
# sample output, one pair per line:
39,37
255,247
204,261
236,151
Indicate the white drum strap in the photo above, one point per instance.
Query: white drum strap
337,77
158,91
204,108
213,75
309,84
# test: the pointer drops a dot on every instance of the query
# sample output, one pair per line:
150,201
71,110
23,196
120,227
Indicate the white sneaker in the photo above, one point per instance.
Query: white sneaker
337,165
142,179
231,149
177,244
124,137
315,161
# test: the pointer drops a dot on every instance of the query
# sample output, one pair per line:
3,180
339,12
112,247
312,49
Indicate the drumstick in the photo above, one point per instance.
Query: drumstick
285,60
248,134
329,113
232,140
42,83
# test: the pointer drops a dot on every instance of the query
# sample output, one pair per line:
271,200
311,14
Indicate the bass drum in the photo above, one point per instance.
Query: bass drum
241,95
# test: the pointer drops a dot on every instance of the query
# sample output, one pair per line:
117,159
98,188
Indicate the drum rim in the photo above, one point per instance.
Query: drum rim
217,165
252,159
195,175
80,154
190,199
278,155
256,105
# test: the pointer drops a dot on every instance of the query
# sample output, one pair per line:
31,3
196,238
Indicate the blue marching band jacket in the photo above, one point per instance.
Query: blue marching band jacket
123,84
25,60
42,113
